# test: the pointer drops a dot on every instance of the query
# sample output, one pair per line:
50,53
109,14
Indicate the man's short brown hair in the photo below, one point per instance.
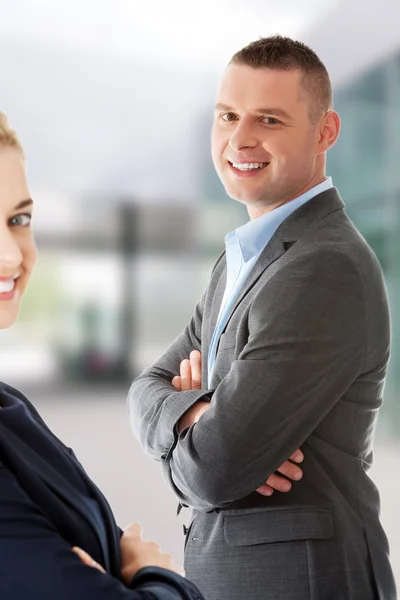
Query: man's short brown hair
284,54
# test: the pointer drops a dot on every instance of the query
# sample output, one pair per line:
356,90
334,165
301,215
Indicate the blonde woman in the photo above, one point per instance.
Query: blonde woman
48,504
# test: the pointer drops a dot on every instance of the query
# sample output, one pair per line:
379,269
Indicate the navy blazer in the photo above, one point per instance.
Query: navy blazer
47,505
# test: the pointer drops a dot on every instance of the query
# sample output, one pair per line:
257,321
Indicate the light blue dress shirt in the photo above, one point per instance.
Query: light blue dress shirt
243,247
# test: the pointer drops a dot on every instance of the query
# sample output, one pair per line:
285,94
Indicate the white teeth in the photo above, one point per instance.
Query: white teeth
7,286
249,166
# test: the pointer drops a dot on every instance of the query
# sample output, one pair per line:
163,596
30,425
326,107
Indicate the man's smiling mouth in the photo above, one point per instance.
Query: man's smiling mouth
250,166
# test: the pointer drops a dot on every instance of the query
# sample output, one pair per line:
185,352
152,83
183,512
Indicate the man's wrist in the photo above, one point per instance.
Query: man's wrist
193,414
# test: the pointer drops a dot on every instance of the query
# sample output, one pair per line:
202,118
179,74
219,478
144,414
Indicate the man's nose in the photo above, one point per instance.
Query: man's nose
243,137
10,252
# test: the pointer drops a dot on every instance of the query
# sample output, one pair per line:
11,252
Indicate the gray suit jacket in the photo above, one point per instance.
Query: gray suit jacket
301,363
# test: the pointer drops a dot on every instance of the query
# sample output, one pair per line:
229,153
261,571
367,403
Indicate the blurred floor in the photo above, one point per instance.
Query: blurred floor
95,425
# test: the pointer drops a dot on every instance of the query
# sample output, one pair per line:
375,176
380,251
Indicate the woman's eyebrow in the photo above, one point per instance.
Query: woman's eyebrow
24,203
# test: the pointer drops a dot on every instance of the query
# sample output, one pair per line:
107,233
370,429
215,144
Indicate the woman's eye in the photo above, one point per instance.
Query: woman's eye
228,117
23,220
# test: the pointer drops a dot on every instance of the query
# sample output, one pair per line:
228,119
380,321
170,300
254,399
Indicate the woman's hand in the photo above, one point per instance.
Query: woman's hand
87,559
137,554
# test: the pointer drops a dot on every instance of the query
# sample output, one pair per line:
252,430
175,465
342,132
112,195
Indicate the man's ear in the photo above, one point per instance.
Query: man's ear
329,128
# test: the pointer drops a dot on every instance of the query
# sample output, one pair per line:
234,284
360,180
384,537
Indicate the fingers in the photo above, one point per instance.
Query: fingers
190,373
291,470
87,559
134,530
297,456
186,375
137,553
265,490
279,483
195,364
282,484
176,382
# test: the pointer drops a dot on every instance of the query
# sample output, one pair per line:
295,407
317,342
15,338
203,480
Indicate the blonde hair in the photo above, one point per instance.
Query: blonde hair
8,137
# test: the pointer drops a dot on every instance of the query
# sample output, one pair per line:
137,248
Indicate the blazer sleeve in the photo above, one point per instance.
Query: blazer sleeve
36,563
306,346
154,406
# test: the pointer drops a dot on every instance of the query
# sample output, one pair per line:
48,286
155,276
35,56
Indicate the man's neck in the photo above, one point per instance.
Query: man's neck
258,211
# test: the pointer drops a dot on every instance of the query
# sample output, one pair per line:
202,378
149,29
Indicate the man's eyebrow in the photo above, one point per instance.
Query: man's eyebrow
24,204
220,106
276,112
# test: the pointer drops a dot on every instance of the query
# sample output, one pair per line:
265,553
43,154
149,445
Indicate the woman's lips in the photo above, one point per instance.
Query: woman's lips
9,293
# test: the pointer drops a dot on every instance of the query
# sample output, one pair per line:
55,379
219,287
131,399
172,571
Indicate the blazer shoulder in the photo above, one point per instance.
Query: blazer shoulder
320,273
13,392
324,255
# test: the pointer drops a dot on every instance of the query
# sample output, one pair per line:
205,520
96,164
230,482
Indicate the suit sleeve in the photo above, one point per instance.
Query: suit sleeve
154,406
36,563
306,345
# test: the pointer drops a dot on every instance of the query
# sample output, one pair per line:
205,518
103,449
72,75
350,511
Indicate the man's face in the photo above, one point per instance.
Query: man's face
264,146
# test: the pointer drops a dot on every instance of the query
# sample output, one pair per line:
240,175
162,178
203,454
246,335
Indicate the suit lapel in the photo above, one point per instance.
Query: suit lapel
272,251
219,277
110,545
211,310
113,544
285,236
59,484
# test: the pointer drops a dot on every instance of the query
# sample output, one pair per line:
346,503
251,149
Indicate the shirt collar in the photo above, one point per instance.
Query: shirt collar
254,235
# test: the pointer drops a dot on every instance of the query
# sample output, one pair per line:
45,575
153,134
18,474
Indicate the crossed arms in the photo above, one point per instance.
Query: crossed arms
190,378
305,347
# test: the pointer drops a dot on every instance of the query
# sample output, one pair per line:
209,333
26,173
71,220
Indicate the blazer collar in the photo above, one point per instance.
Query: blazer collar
291,230
308,214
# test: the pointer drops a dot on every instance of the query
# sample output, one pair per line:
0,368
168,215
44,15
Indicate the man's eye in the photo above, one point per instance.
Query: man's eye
23,220
270,121
228,117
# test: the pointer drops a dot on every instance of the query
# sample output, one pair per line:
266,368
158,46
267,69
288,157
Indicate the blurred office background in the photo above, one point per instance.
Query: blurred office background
113,101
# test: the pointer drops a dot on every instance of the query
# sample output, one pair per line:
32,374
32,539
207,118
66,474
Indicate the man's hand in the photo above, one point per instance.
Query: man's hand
190,373
190,379
137,554
281,484
192,415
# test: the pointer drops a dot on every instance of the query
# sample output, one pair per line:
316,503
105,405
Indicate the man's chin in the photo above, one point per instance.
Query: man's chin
245,198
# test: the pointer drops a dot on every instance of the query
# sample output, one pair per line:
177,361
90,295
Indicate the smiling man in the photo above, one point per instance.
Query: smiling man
293,330
269,155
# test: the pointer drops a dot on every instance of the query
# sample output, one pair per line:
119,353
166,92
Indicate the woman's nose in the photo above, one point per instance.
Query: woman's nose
10,252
